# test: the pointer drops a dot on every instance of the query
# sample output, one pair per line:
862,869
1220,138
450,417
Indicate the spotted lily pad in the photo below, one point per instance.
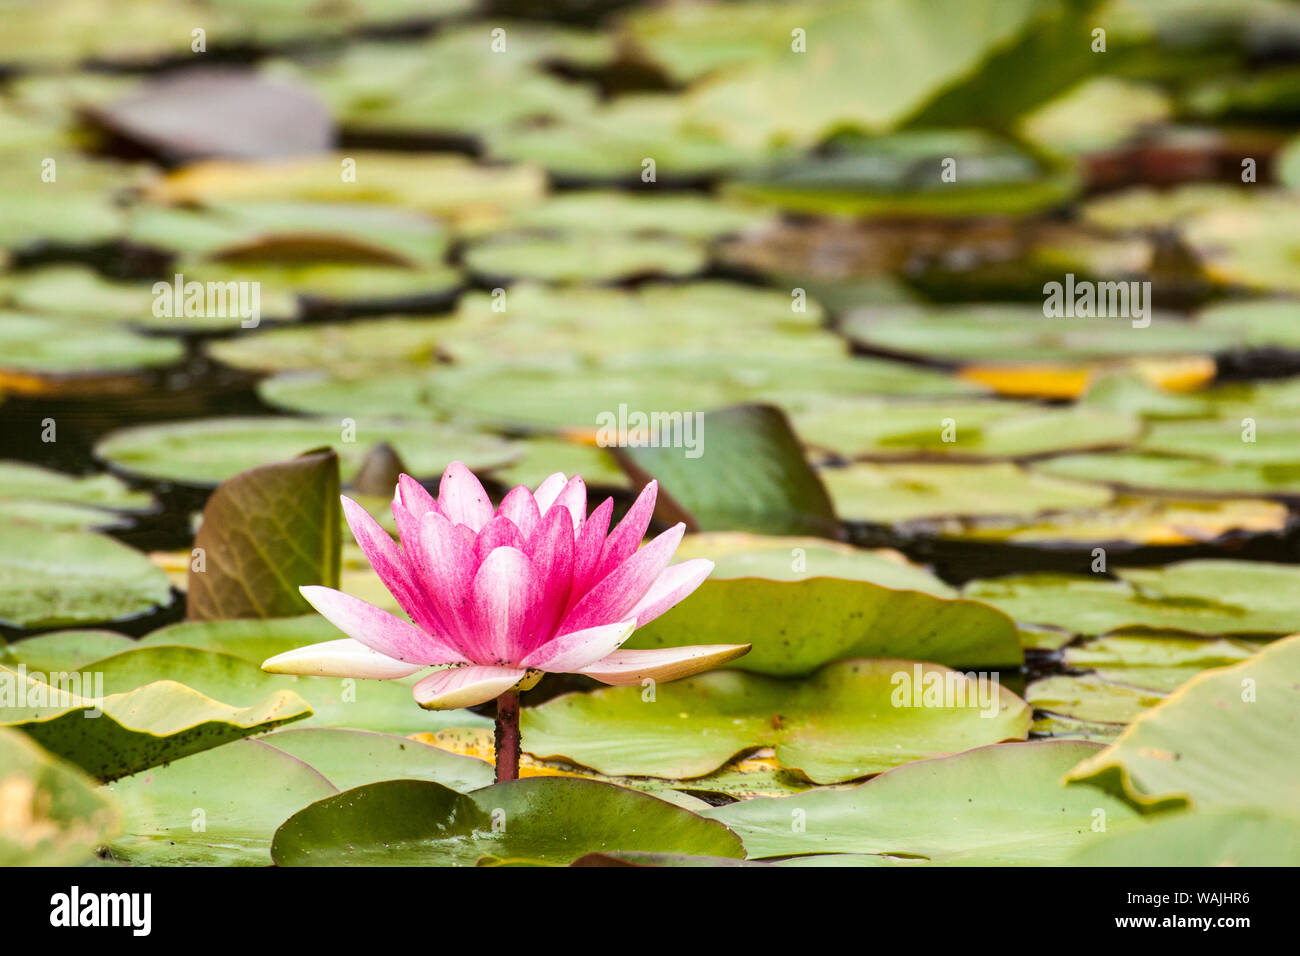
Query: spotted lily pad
153,724
1002,805
1225,738
803,602
850,719
198,811
54,815
547,820
59,578
206,452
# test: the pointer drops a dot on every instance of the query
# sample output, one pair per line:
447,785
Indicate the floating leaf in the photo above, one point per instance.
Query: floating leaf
218,808
722,489
265,533
1162,663
154,724
1234,836
59,578
993,806
1225,738
551,820
53,814
64,650
803,602
581,257
46,355
841,723
1090,699
351,758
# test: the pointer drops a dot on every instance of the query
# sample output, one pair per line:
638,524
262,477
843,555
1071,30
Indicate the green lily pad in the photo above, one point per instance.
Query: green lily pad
901,175
980,429
684,215
78,291
48,354
267,532
1163,662
352,758
1090,699
64,651
839,724
723,490
1172,474
380,343
802,602
25,481
206,452
153,724
252,640
545,456
381,706
60,578
545,820
894,493
198,811
1225,738
582,257
54,815
59,516
1233,836
993,806
1199,597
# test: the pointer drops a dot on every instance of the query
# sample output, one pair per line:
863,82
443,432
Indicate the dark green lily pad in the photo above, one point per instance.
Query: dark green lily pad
546,820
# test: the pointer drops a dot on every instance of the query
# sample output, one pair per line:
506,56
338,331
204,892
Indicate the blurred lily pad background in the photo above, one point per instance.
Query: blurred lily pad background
472,229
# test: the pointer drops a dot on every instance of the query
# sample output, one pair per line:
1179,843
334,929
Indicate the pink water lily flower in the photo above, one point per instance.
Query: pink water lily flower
497,598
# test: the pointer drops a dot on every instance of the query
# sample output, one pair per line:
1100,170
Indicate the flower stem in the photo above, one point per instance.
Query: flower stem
508,736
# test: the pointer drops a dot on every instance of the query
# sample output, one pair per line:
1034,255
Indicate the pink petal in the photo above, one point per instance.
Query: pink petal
674,584
392,566
665,664
570,653
520,506
410,504
505,590
462,499
572,496
614,596
446,561
342,658
550,550
627,534
549,490
499,532
379,630
465,686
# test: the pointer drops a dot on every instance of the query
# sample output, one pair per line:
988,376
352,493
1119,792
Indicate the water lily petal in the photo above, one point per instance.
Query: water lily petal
549,490
615,595
505,589
465,686
627,534
587,546
662,664
520,506
499,532
570,653
410,504
393,567
551,552
462,499
674,584
377,629
572,496
345,657
444,554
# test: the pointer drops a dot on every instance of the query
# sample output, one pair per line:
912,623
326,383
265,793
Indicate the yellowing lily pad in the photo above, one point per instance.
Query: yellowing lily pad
850,719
